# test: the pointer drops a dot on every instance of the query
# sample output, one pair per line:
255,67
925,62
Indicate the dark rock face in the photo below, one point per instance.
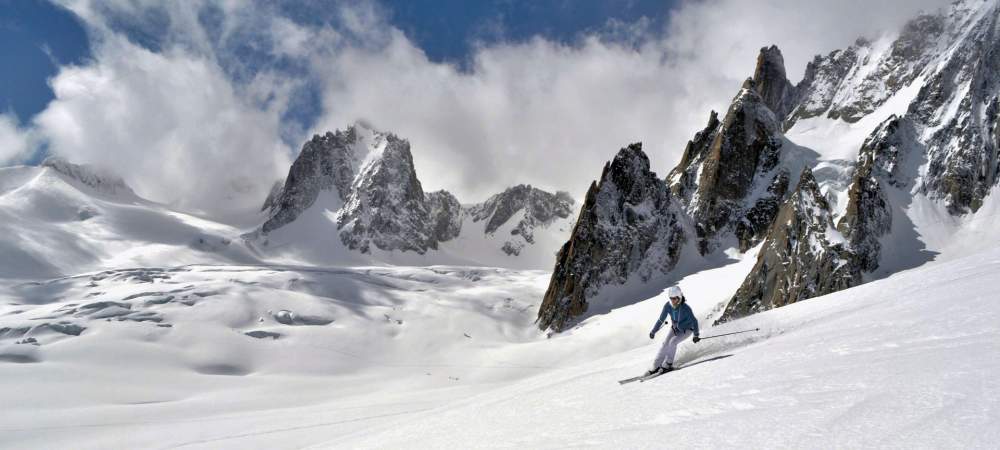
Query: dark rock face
732,156
803,257
445,215
962,152
386,206
753,224
868,215
538,208
326,163
819,85
771,82
627,227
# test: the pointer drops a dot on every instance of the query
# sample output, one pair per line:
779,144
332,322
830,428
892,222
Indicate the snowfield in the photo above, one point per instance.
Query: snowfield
448,357
905,362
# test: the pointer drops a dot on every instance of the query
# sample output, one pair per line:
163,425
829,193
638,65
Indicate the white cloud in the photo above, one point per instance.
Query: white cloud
15,142
551,115
172,125
181,129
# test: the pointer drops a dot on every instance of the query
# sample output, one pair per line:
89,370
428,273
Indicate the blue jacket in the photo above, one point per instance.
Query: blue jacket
682,318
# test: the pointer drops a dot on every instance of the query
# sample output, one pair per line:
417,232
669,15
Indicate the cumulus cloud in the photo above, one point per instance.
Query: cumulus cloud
15,142
552,114
196,122
171,124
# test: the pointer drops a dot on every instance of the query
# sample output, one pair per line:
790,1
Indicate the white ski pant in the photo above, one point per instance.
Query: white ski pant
666,355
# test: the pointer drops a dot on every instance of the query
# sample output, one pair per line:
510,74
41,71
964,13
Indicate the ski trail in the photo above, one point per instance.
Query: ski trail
296,428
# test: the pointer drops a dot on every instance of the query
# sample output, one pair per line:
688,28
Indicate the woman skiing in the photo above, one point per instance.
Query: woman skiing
683,324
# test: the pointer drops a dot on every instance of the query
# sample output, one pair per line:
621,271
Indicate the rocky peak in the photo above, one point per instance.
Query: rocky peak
822,79
772,84
724,162
627,228
327,162
803,256
100,180
386,205
537,208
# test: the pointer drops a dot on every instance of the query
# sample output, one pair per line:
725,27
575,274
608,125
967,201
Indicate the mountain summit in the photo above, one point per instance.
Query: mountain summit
360,187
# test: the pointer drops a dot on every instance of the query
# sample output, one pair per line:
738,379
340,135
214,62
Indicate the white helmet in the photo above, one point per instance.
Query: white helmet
675,291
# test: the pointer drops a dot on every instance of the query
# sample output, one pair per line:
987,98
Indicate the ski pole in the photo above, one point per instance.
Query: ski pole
727,334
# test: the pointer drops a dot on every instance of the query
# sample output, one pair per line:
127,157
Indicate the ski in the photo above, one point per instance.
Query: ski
629,380
656,375
642,378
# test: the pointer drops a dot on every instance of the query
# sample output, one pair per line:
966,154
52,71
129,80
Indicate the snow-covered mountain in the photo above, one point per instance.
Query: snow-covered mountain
896,140
61,218
354,195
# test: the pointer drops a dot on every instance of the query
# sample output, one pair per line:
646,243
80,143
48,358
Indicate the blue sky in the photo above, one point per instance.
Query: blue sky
35,36
39,36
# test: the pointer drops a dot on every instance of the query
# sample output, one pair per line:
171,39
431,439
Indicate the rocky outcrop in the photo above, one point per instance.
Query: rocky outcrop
803,256
868,215
326,163
628,227
445,215
821,81
386,205
529,206
959,105
723,164
772,84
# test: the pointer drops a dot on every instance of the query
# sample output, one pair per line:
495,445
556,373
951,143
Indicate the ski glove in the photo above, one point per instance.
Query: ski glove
695,339
652,335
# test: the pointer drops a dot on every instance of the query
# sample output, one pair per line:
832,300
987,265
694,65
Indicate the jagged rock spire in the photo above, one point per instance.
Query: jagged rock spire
627,228
771,82
723,163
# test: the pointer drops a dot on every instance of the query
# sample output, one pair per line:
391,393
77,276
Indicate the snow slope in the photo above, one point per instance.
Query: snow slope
904,362
379,357
166,357
52,224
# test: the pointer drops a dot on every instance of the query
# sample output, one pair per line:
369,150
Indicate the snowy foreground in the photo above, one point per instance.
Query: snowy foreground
448,357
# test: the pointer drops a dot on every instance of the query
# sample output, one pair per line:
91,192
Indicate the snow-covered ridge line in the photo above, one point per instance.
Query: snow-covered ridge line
103,181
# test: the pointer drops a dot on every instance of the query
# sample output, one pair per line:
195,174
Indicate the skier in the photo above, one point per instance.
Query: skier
683,324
